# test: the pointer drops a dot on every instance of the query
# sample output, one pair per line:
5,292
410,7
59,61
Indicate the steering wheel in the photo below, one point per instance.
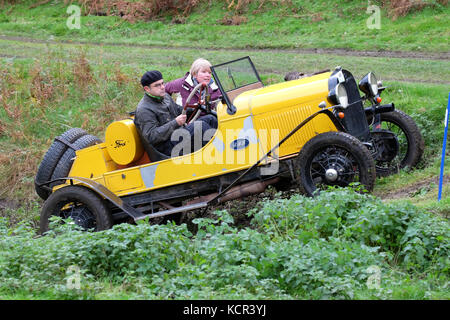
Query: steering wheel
198,107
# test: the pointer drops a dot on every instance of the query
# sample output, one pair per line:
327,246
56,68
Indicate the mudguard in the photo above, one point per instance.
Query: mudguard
105,193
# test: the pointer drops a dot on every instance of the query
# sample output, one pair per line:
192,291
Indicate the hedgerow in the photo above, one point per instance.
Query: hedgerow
308,248
410,236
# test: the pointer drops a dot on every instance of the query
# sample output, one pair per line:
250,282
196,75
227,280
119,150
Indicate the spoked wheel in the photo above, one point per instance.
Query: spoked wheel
334,159
86,209
410,143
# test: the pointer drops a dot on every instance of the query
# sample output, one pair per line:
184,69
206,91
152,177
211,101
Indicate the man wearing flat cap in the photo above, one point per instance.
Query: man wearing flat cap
158,116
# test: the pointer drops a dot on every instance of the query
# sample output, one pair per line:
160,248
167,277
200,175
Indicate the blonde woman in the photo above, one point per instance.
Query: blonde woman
200,72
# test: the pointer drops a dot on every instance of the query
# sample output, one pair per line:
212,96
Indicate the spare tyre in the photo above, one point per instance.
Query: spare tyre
64,165
51,159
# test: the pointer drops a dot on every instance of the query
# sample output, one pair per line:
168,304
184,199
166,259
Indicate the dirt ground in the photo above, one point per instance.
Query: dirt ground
338,51
411,190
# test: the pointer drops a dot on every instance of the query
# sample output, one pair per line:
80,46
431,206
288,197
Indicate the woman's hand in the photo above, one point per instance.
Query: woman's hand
181,119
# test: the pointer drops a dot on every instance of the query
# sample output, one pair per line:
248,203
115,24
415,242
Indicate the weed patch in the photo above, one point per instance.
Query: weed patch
303,248
133,11
400,8
82,73
41,99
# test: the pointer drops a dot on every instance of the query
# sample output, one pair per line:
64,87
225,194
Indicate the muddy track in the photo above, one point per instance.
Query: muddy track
412,190
338,51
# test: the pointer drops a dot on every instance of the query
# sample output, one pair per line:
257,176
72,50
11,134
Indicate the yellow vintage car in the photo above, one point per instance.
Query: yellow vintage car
307,132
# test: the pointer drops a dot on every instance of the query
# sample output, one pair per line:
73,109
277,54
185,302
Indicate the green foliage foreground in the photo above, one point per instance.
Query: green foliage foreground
339,245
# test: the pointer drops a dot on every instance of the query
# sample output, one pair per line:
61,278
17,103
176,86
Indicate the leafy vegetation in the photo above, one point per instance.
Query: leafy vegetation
296,248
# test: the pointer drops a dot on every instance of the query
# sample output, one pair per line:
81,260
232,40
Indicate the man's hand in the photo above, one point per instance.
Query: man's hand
181,119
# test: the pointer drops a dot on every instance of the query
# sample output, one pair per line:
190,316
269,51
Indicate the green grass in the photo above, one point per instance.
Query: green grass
267,62
420,187
341,26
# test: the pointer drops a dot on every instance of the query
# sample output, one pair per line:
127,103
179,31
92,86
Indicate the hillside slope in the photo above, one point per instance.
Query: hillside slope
241,24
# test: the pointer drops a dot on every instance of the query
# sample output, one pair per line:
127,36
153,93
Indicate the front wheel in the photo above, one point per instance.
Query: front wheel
410,142
334,159
86,209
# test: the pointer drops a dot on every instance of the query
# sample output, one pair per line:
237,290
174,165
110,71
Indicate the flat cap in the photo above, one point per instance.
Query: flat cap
150,76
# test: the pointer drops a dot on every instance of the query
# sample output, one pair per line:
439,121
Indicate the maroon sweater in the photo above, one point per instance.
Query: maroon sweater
185,85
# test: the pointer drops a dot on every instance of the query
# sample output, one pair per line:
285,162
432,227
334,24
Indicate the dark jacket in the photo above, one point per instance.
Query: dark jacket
156,118
185,85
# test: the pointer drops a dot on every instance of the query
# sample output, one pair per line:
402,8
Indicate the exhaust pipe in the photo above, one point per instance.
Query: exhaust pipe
237,192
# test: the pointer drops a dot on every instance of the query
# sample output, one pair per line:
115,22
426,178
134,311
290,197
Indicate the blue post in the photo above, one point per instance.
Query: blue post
444,145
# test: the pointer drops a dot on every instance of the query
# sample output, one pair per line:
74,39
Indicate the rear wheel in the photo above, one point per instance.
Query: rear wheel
86,208
334,159
410,143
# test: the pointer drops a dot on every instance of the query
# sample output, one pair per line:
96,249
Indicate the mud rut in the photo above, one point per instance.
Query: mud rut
338,51
413,189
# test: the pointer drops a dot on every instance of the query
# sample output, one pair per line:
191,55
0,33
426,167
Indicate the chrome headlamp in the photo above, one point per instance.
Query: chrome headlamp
338,95
369,84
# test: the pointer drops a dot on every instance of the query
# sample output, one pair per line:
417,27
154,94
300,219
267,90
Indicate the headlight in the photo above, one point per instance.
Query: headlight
338,95
369,84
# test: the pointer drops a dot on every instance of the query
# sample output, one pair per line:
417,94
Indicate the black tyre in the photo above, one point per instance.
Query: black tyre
51,159
334,159
410,142
85,207
64,165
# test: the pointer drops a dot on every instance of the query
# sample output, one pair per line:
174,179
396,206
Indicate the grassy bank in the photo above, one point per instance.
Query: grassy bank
212,24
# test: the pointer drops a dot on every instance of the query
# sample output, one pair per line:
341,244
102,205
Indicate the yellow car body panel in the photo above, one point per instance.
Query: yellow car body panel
92,162
263,117
284,105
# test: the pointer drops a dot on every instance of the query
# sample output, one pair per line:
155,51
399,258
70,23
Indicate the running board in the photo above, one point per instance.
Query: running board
174,210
